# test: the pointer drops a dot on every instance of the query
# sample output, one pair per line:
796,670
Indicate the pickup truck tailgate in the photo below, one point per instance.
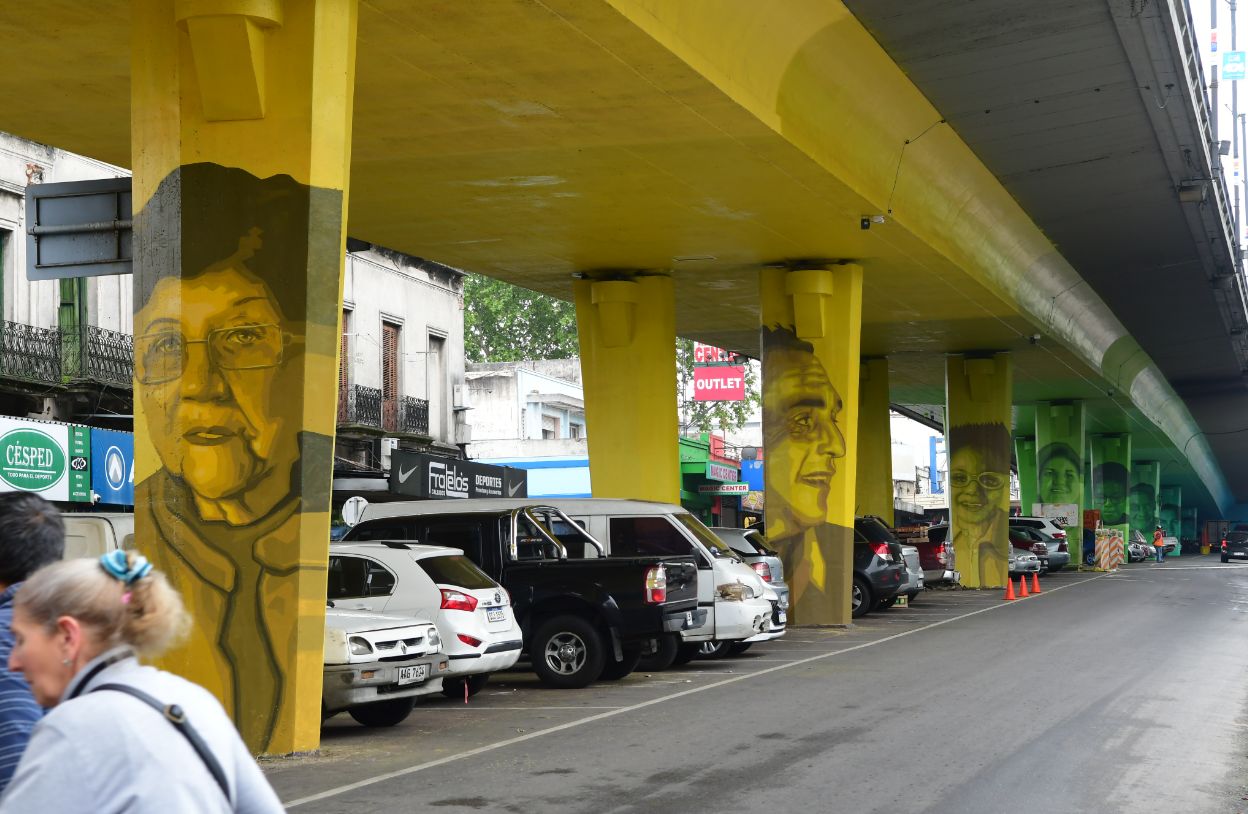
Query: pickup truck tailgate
682,581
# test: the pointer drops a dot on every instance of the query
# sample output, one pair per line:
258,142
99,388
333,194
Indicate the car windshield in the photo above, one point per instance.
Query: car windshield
937,534
718,548
756,538
456,570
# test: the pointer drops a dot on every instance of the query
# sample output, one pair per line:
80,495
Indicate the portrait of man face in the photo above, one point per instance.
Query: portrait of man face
1109,493
1170,519
1143,508
210,356
803,439
1060,474
975,486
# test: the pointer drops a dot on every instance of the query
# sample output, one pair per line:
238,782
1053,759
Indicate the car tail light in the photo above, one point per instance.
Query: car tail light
1224,545
656,585
881,551
941,556
468,640
457,600
1058,535
763,570
1061,546
1039,548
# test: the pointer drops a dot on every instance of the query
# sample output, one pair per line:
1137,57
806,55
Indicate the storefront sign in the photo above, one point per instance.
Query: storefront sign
711,355
112,466
1232,65
724,489
720,472
52,460
719,383
419,475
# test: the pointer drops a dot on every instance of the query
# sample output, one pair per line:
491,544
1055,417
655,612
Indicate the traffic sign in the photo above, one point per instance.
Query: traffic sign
1232,65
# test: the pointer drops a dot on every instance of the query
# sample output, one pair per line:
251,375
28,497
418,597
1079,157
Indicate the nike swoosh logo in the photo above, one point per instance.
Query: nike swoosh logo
403,476
511,490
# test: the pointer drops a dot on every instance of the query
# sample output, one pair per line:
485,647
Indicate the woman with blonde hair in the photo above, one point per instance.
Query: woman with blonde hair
119,736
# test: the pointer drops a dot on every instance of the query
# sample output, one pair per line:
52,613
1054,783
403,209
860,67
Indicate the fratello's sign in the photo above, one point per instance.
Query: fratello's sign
52,460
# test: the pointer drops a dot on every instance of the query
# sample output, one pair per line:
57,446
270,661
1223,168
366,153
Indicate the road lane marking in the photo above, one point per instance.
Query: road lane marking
476,707
491,747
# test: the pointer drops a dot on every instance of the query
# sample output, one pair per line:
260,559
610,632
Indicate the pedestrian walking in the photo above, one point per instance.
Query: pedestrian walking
120,736
1159,543
31,536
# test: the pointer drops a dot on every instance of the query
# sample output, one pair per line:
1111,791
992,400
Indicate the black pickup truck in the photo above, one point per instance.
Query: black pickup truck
583,619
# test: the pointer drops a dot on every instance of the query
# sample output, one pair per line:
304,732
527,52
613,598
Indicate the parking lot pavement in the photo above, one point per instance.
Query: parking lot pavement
515,708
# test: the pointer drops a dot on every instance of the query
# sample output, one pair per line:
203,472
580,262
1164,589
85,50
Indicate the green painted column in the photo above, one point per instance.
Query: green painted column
1025,454
1111,477
978,399
1059,466
1171,510
1142,504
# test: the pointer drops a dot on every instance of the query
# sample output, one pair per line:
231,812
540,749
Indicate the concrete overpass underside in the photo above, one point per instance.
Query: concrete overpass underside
710,139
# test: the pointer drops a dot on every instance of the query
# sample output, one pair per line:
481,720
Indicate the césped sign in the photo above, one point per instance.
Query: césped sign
36,457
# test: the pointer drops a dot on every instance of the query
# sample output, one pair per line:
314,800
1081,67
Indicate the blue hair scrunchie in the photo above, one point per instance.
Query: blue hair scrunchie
114,562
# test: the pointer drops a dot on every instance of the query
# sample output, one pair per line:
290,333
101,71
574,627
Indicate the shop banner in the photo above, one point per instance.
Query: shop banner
719,383
722,472
49,459
418,475
112,466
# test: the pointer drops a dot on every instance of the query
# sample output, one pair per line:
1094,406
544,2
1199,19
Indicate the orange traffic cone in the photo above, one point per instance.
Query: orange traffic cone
1035,583
1022,588
1009,591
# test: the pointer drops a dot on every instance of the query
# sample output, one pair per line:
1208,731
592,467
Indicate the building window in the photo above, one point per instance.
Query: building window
574,430
390,336
550,426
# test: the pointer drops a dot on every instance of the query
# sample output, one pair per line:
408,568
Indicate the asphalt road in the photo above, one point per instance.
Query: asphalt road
1124,692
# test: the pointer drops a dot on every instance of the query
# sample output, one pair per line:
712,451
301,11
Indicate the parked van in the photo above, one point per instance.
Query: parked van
740,606
95,533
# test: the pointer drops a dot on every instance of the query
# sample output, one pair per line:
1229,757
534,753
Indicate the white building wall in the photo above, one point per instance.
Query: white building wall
425,302
35,303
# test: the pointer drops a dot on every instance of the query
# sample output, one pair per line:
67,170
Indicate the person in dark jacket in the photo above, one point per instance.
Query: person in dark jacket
31,536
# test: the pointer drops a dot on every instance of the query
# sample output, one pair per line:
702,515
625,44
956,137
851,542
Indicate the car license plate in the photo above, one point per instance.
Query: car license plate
1241,554
494,614
414,673
688,618
781,618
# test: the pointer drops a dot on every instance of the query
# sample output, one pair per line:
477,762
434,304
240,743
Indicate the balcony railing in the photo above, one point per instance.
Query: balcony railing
29,354
361,406
414,416
98,355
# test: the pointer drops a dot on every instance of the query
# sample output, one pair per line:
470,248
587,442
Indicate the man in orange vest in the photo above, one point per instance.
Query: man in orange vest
1159,542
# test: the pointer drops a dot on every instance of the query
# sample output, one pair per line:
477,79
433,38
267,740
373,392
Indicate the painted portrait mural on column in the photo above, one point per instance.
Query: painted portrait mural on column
1111,481
1142,514
979,501
236,297
804,446
1171,510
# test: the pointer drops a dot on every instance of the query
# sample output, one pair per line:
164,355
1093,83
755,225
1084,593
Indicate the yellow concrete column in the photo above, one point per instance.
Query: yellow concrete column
241,127
875,442
978,418
627,331
812,321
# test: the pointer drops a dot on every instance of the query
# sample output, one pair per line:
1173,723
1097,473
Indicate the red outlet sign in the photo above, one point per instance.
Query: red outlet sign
719,383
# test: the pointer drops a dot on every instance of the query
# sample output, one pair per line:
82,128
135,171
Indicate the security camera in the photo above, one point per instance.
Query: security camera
1034,339
877,218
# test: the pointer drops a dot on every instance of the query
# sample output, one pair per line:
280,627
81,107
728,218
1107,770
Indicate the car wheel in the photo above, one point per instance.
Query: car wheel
666,653
567,652
383,713
713,650
454,687
615,670
737,648
685,654
861,600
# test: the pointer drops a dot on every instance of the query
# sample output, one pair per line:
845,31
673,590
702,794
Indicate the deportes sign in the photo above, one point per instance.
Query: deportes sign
419,475
112,466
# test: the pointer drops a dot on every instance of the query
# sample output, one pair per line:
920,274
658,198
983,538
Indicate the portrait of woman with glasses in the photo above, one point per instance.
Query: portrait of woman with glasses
979,492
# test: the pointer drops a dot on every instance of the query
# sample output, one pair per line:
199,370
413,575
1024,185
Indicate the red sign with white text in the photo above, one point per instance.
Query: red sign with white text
711,355
725,383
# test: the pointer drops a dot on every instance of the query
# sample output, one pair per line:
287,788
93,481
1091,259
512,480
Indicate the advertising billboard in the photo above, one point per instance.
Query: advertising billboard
419,475
49,459
112,466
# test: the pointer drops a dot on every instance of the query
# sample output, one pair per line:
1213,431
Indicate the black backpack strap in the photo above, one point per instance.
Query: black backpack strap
174,715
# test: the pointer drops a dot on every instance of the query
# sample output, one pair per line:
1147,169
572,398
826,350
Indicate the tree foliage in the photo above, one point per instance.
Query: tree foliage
710,416
506,323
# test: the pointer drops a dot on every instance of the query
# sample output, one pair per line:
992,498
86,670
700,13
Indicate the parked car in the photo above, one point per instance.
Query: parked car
935,555
1043,524
1023,562
879,569
582,618
90,534
913,586
1139,549
376,665
751,545
1020,539
473,612
741,608
1235,546
1056,550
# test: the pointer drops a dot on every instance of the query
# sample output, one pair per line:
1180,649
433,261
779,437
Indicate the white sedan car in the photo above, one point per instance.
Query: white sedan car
472,611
